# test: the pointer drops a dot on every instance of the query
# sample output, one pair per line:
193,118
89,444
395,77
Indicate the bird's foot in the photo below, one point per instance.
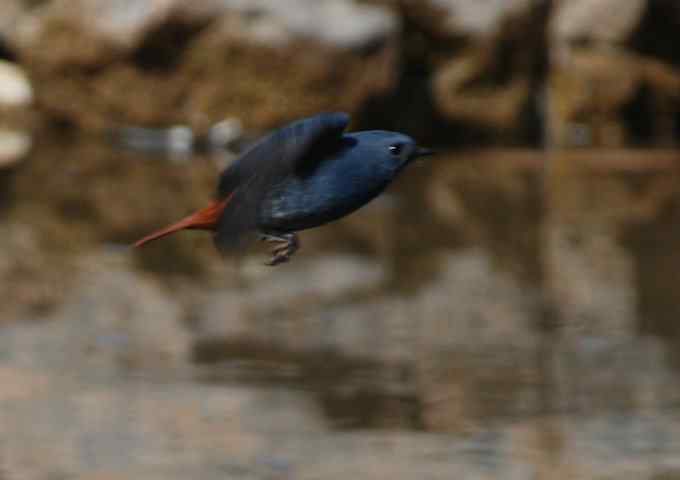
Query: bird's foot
284,247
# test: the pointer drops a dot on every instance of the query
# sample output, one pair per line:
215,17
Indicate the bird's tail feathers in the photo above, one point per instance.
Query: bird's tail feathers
204,219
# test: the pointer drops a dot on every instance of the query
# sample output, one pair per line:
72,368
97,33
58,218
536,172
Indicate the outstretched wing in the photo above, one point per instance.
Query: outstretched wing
294,149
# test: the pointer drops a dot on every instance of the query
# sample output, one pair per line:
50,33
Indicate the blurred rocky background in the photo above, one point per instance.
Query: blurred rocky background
510,309
519,72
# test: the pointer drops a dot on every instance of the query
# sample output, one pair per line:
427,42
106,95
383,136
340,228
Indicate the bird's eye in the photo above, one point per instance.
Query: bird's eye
396,149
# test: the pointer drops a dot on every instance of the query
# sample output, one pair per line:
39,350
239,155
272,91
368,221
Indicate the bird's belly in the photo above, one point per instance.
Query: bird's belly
305,203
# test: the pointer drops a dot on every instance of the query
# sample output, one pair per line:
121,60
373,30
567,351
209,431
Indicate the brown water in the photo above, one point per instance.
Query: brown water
499,314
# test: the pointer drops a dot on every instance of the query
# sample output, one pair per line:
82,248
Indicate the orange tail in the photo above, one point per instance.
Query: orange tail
204,219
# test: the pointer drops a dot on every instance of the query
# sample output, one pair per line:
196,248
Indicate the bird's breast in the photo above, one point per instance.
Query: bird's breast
329,193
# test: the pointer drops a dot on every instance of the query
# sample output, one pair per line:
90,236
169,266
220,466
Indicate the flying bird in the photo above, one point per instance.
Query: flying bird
303,175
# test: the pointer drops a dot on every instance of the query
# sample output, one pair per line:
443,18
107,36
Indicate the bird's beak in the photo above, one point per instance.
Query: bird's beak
422,152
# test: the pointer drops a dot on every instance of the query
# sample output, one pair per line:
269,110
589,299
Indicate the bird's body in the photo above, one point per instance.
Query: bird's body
301,176
339,185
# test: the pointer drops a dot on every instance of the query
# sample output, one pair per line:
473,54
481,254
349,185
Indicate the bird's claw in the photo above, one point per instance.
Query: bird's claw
286,246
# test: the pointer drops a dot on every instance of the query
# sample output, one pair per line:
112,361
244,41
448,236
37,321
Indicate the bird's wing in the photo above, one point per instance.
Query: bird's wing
285,150
293,149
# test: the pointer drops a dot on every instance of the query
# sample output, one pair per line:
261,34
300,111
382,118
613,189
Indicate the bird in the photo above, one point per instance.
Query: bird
303,175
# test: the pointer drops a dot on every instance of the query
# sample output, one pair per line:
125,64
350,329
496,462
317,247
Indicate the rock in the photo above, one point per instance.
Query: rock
14,146
111,28
338,23
451,20
16,98
588,90
608,86
176,141
497,109
280,65
264,100
485,84
13,12
15,87
600,21
478,18
224,134
610,78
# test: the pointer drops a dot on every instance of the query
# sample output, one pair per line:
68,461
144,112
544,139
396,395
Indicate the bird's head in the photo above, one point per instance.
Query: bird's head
393,149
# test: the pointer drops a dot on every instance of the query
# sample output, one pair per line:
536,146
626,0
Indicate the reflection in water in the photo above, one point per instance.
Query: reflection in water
354,393
653,245
475,320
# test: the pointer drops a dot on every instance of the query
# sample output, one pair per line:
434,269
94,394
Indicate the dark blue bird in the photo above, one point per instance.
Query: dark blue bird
300,176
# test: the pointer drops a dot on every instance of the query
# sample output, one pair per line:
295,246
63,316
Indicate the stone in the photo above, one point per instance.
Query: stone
15,87
14,146
602,21
14,11
338,23
254,46
16,120
589,88
478,18
482,80
280,64
602,69
495,109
